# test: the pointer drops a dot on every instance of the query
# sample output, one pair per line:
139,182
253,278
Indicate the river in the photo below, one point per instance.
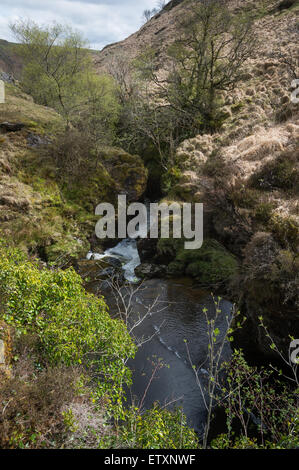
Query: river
173,334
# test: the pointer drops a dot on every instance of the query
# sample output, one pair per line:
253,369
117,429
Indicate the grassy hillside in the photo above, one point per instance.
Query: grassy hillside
10,61
46,214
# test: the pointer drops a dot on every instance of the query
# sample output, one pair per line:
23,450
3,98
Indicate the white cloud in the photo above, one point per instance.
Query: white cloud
100,21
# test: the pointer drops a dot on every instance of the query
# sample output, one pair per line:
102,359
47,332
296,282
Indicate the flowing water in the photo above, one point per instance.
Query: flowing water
177,317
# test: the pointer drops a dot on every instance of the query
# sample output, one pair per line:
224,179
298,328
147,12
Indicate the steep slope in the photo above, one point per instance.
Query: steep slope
247,176
10,62
43,212
156,33
247,173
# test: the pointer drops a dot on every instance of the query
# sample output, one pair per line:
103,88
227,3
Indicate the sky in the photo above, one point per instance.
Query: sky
101,22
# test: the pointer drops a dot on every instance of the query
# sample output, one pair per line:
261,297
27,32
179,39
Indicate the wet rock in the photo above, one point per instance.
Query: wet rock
147,249
114,262
35,140
7,77
151,271
148,252
269,288
96,269
91,268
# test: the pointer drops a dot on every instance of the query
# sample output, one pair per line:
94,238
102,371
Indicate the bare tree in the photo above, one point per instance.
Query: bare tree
148,14
207,59
120,67
161,4
126,308
217,340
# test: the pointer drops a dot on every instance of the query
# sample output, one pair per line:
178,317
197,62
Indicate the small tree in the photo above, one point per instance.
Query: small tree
59,73
148,14
120,67
55,62
186,99
207,60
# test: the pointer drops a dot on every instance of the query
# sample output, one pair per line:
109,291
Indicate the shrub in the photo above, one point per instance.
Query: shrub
215,166
31,403
263,212
158,428
265,408
73,327
171,178
281,173
71,153
243,196
285,229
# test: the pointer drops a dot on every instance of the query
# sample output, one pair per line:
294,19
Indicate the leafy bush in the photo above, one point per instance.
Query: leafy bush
72,326
158,429
171,178
265,408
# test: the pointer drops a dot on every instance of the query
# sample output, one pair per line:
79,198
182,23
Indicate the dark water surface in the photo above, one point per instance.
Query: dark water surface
177,316
181,319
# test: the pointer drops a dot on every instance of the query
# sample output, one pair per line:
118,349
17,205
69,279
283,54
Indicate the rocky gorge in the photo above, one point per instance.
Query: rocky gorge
245,173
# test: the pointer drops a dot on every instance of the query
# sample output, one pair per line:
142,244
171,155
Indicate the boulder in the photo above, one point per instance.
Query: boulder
127,171
35,140
150,271
11,126
7,77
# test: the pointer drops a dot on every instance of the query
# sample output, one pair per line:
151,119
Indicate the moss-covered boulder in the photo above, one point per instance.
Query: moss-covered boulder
117,172
127,171
212,265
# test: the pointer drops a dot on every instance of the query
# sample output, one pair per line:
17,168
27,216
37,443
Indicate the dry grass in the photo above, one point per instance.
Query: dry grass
20,107
42,406
31,404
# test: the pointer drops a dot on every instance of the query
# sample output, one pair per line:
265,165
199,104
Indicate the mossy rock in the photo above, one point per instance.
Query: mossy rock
117,173
170,179
66,247
170,247
127,171
20,107
211,265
